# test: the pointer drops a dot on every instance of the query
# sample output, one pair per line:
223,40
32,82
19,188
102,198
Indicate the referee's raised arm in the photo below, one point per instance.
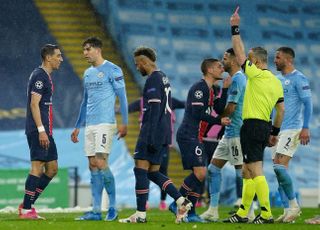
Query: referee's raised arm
237,43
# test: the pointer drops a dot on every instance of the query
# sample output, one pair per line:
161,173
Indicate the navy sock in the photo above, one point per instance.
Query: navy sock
189,184
30,190
43,183
164,183
164,170
192,187
142,188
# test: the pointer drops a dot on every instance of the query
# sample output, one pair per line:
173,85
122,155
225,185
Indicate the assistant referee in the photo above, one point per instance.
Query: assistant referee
263,93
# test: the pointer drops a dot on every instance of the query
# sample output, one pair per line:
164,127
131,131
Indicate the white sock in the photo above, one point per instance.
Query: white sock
180,201
293,203
141,214
285,211
212,209
24,211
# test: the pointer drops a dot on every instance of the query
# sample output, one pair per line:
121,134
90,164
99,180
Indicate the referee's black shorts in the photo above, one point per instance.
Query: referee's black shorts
254,137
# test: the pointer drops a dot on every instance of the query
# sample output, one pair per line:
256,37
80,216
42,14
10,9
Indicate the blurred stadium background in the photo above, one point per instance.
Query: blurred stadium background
183,32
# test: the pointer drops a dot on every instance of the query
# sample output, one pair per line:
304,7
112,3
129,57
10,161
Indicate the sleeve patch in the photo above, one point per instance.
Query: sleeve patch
118,78
38,84
198,94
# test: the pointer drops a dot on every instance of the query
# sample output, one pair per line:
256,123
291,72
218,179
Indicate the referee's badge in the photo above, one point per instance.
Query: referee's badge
38,84
287,82
100,74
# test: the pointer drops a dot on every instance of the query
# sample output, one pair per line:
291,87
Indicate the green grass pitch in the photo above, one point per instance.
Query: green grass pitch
156,220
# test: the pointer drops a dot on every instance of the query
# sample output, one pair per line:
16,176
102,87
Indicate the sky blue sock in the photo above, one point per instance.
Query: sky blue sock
96,190
110,186
283,196
214,176
284,180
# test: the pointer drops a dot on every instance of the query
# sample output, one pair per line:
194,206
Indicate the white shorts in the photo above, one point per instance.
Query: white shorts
229,149
288,143
98,138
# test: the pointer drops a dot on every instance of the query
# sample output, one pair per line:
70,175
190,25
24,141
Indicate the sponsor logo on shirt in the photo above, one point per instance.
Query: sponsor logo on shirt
306,87
287,82
95,84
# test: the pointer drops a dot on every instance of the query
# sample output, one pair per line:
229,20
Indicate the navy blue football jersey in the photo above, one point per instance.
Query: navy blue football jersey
201,103
156,127
40,83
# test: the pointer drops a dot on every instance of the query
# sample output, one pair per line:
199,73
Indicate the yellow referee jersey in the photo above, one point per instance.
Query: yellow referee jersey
263,90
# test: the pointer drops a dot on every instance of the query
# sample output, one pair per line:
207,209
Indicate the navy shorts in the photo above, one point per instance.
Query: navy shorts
192,154
254,137
141,153
38,153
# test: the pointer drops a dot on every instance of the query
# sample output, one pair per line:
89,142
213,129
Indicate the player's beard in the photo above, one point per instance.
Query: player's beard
143,72
226,68
280,67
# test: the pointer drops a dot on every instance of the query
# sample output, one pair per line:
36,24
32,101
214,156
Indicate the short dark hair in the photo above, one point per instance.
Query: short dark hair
206,63
287,50
47,49
93,42
260,53
145,51
231,52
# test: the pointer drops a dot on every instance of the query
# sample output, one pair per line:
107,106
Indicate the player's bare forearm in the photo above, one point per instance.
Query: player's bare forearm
230,108
279,114
35,110
238,48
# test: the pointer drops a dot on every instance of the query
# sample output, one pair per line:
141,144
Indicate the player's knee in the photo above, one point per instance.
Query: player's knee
200,173
52,172
36,172
92,164
101,164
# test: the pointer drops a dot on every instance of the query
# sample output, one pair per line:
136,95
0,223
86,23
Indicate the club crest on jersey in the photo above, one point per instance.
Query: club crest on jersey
198,94
287,82
100,74
38,84
165,80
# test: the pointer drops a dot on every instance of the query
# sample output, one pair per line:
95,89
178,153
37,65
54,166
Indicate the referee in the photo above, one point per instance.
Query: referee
263,93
